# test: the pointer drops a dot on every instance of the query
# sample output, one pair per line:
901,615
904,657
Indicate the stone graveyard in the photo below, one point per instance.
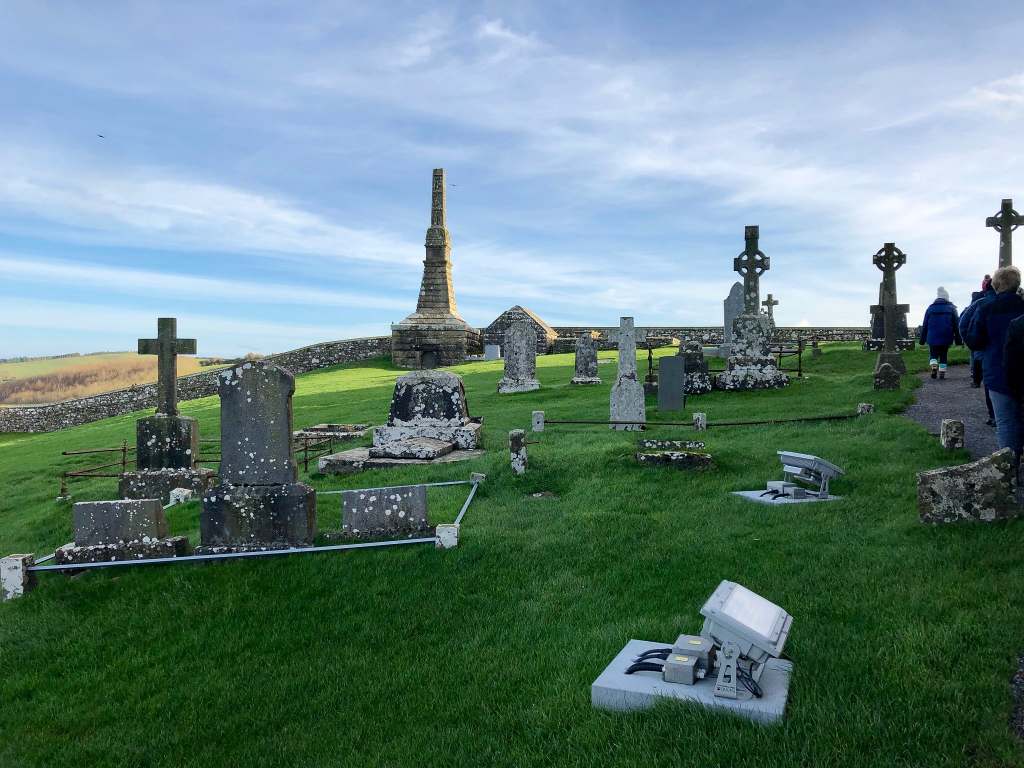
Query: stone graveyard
429,422
750,364
627,404
520,352
586,361
167,443
258,503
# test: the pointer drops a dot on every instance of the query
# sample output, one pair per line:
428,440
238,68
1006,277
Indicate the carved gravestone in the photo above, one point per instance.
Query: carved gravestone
166,444
374,512
586,360
1004,222
258,504
698,375
671,383
128,529
627,396
889,258
886,377
520,351
733,308
750,364
429,404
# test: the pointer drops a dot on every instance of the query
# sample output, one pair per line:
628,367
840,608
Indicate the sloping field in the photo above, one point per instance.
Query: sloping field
905,637
50,380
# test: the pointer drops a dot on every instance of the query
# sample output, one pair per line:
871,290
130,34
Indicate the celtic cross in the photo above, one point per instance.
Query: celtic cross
1004,223
751,264
770,303
889,258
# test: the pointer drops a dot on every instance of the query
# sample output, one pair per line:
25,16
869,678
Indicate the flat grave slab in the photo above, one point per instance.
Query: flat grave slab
615,690
358,459
756,496
412,448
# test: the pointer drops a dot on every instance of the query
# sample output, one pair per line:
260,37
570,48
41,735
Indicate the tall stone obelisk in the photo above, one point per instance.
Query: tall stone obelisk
435,334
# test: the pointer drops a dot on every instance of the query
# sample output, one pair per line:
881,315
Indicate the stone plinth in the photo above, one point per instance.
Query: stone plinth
750,366
159,484
166,442
980,491
175,546
245,517
376,512
412,448
468,437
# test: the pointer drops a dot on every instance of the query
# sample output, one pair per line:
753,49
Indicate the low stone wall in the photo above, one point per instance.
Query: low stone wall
71,413
712,335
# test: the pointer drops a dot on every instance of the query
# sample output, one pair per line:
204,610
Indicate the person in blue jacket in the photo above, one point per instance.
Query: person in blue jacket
977,376
940,329
987,334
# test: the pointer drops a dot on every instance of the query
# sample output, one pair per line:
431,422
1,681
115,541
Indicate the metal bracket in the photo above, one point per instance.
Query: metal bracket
728,658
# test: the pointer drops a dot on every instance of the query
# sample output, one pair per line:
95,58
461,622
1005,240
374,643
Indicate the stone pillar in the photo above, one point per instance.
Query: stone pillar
517,451
627,396
15,577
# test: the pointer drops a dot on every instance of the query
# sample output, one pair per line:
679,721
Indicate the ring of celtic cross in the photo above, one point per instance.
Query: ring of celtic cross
997,221
882,259
755,262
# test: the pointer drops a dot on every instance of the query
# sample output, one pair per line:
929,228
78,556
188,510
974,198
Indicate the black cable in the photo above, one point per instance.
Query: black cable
661,653
644,666
748,682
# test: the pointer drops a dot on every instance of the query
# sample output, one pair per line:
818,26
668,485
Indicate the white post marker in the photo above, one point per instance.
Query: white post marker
15,577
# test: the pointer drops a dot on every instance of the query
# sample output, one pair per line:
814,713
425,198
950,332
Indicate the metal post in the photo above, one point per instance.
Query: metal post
124,456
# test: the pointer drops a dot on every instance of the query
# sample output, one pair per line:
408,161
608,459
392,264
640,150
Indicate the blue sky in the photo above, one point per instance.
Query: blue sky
265,171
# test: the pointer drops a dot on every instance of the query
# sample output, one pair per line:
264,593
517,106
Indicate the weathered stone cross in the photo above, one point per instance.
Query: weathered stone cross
751,264
167,347
626,336
889,258
770,303
1004,223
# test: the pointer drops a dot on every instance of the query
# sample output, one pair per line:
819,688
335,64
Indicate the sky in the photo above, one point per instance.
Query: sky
261,171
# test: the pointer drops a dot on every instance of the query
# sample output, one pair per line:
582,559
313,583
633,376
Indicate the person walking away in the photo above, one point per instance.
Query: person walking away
977,356
987,333
940,329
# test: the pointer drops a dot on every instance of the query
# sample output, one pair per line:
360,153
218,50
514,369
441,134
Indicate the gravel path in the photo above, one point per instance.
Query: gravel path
954,398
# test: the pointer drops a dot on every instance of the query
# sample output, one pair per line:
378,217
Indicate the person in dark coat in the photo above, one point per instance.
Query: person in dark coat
940,329
977,355
987,334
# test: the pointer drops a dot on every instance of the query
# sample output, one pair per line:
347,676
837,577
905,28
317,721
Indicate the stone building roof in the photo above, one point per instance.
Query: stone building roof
495,332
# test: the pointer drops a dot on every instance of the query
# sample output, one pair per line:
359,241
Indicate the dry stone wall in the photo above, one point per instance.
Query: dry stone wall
72,413
710,334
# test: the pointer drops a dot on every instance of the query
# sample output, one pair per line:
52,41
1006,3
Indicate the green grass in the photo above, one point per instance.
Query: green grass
904,636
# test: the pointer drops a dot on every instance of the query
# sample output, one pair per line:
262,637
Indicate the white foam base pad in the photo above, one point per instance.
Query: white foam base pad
615,690
756,496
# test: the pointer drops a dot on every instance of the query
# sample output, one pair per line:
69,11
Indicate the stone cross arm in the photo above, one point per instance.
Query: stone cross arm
167,346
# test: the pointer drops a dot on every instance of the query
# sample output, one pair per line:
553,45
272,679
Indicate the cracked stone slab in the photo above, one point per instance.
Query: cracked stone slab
145,549
982,491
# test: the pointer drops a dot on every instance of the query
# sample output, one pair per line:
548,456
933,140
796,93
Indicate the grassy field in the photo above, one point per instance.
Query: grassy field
52,379
904,639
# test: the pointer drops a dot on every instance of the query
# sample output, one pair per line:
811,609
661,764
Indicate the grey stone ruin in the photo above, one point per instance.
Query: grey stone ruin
1004,222
517,451
732,308
627,398
750,364
166,444
258,504
520,351
384,512
429,421
586,360
671,383
889,366
130,529
698,376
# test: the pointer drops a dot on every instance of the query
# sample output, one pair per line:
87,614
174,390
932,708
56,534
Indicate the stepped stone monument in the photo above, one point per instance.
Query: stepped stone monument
435,334
889,366
698,375
750,364
134,529
586,360
627,397
429,422
520,350
166,444
258,503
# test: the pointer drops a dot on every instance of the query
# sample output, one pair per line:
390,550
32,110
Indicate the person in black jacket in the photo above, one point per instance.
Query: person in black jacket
1013,359
987,333
977,356
940,329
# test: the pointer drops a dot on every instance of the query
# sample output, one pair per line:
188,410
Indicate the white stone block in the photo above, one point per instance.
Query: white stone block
181,495
446,536
538,421
15,577
700,422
